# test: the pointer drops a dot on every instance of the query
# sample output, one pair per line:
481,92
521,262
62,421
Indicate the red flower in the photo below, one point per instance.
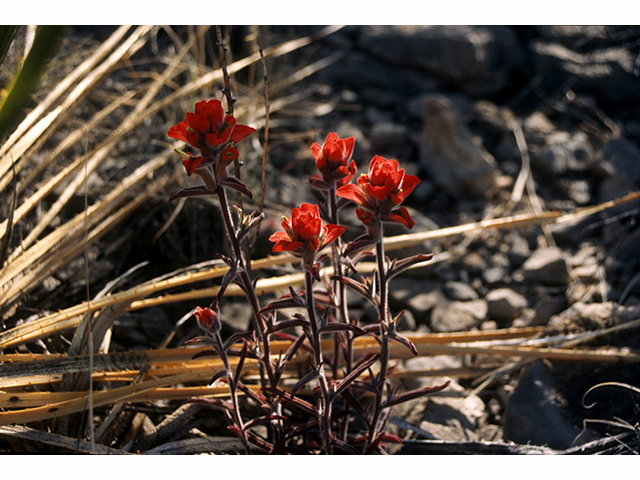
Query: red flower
208,127
380,190
332,160
207,319
212,132
305,234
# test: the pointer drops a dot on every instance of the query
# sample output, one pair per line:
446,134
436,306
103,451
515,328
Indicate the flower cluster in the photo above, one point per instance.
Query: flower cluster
333,161
214,134
305,233
207,319
378,196
380,191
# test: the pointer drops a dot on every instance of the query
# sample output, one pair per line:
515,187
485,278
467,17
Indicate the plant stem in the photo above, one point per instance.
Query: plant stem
233,391
259,321
325,412
340,289
383,314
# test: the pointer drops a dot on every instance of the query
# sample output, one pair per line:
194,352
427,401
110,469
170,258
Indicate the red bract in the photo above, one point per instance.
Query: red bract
380,190
208,128
333,160
207,319
214,133
305,233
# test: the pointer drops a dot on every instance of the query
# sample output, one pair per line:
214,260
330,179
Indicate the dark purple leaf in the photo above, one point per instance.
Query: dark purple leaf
205,353
236,184
401,265
359,244
224,373
340,327
295,401
235,338
257,397
336,442
304,380
191,192
295,346
283,324
212,402
254,422
343,384
405,341
415,394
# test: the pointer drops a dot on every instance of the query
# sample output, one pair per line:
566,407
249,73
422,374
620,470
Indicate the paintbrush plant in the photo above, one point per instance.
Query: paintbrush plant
342,403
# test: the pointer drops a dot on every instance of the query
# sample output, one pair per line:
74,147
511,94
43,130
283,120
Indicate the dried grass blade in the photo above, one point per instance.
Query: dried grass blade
72,444
89,80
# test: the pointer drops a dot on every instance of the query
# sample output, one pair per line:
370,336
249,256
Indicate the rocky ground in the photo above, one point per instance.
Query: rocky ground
468,109
473,111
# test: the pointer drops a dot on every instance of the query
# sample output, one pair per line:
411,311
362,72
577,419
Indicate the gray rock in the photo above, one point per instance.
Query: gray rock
564,152
519,250
620,162
448,151
534,414
479,60
547,266
495,275
385,136
452,415
608,71
536,127
505,305
417,296
459,291
458,316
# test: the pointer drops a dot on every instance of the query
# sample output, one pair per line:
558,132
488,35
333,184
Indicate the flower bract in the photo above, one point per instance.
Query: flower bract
214,133
379,192
207,319
305,233
333,160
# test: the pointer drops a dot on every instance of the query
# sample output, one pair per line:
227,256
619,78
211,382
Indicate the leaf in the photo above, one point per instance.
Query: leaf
341,327
254,422
295,401
236,184
205,353
304,380
402,265
336,442
212,402
283,324
249,222
359,244
243,355
219,374
235,338
343,384
355,285
405,341
423,392
257,397
197,191
228,278
45,45
295,346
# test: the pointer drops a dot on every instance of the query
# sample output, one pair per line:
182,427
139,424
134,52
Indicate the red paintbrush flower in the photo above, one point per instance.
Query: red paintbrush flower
209,129
333,160
380,191
305,233
215,134
207,319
